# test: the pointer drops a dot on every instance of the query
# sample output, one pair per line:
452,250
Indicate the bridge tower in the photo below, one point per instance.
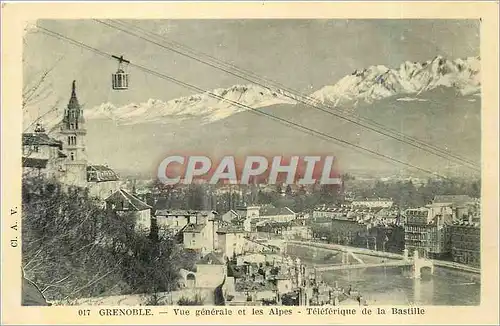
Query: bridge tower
419,263
345,258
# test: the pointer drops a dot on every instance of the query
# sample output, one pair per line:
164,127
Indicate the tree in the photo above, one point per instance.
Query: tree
37,86
74,248
196,197
62,252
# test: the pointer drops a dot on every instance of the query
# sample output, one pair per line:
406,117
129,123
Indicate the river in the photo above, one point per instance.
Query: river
394,286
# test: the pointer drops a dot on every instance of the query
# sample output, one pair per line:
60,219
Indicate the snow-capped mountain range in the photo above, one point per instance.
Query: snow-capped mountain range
410,80
206,106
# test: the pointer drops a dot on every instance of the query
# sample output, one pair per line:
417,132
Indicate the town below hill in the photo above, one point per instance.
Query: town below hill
150,244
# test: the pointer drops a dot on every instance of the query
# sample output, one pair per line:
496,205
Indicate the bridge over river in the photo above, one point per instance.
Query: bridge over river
451,283
336,267
393,260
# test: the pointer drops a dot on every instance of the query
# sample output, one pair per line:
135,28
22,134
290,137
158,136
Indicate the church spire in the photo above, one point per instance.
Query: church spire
73,115
73,101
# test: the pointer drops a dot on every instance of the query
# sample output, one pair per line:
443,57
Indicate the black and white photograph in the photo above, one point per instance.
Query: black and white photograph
323,163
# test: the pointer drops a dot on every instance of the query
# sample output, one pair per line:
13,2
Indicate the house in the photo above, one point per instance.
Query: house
287,230
303,216
231,241
41,154
372,202
324,213
297,229
460,206
202,235
230,215
211,271
283,214
198,237
102,181
174,219
248,211
123,202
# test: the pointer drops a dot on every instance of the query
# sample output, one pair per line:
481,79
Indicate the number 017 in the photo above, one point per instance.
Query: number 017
83,312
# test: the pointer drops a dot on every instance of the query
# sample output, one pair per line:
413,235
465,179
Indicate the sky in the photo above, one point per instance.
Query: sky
304,55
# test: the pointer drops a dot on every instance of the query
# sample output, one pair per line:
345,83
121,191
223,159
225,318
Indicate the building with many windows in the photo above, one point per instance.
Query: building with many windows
426,233
466,243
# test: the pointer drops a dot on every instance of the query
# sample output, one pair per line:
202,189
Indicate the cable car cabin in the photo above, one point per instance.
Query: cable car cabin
120,80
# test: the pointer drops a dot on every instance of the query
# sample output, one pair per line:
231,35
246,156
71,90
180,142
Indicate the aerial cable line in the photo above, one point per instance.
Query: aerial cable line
300,98
292,124
296,93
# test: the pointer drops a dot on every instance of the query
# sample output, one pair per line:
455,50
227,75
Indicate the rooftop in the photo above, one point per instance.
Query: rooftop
135,203
348,209
230,229
372,199
211,259
232,211
243,207
101,173
273,211
454,199
174,212
194,228
183,212
466,224
39,138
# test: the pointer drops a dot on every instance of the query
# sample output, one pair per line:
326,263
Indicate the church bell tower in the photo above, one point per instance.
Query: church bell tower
73,137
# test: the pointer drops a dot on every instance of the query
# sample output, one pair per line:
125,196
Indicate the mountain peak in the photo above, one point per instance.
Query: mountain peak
376,82
210,106
365,85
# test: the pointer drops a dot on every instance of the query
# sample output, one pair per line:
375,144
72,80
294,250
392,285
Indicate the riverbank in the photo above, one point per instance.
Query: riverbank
391,286
451,284
380,254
